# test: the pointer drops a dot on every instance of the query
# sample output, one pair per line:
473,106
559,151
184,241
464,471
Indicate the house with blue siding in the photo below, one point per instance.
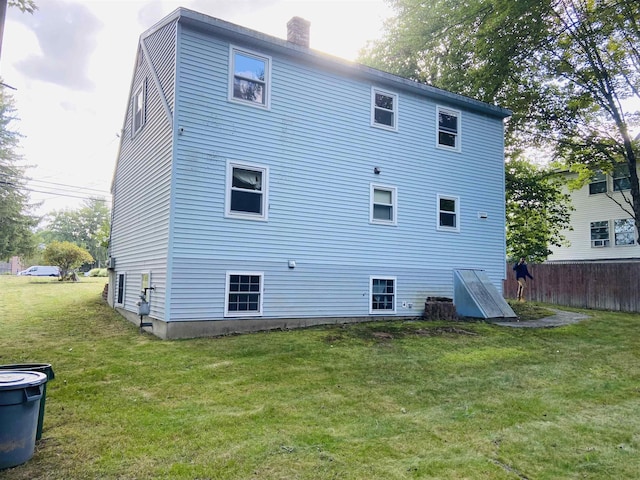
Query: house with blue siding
261,184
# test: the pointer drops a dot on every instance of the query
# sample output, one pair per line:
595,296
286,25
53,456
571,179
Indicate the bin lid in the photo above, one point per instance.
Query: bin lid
13,380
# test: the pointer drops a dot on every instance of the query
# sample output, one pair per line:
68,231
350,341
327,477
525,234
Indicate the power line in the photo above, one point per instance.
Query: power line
70,186
59,194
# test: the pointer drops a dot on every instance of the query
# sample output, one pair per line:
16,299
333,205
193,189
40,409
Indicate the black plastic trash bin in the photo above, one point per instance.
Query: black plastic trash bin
20,395
35,367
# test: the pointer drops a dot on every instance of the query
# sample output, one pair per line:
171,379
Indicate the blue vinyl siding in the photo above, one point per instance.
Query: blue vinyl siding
321,151
142,180
307,291
317,142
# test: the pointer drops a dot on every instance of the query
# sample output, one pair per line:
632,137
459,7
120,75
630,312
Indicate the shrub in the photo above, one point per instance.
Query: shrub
66,256
98,272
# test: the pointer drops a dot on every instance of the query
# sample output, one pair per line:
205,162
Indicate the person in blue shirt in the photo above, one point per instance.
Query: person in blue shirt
522,272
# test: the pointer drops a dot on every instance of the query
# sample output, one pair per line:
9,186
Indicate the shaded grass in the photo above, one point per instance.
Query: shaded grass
391,400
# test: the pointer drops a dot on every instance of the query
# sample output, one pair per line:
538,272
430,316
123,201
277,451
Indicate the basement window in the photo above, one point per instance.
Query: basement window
244,294
120,290
383,295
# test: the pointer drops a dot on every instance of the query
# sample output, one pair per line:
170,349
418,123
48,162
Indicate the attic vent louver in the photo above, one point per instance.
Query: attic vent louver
298,31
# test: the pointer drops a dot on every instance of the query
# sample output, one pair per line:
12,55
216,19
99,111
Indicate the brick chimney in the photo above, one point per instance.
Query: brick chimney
298,31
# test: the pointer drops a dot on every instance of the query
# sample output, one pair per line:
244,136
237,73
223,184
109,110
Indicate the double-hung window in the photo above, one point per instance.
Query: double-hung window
247,188
598,183
448,129
625,231
249,78
138,108
243,294
382,295
383,205
600,234
621,177
384,109
448,213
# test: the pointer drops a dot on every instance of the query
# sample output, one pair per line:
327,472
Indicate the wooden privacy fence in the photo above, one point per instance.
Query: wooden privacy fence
602,286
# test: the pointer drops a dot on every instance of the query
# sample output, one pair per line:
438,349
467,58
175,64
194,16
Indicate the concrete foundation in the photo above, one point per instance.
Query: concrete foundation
216,328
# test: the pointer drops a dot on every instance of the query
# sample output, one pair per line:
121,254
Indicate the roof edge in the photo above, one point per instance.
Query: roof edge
236,32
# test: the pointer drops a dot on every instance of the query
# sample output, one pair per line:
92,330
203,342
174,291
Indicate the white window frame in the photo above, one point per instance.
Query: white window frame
373,311
446,228
615,177
264,216
394,111
120,285
141,92
605,242
394,204
615,233
596,181
266,104
227,292
458,134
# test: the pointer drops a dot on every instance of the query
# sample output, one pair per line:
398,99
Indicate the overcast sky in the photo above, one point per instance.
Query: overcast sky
71,63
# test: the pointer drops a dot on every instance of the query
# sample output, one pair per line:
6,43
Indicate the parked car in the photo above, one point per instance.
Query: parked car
41,271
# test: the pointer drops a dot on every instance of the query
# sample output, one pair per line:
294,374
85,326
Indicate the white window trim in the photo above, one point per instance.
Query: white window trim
458,114
606,185
267,77
394,204
142,88
228,213
394,127
227,313
614,178
124,291
615,239
395,294
591,240
457,213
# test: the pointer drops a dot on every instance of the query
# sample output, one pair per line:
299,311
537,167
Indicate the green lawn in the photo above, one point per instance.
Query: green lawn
398,400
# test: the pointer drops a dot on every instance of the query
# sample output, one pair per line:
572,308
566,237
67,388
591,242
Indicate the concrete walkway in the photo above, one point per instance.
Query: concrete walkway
560,318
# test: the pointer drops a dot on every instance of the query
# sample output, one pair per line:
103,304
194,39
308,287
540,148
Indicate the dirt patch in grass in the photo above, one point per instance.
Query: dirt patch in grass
386,332
437,331
529,311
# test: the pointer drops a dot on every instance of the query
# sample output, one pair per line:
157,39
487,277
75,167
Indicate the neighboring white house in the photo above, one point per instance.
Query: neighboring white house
602,230
261,184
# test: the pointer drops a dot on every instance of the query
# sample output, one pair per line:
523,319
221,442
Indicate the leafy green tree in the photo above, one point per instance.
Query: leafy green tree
567,68
477,48
27,6
599,59
16,222
66,256
85,226
537,210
